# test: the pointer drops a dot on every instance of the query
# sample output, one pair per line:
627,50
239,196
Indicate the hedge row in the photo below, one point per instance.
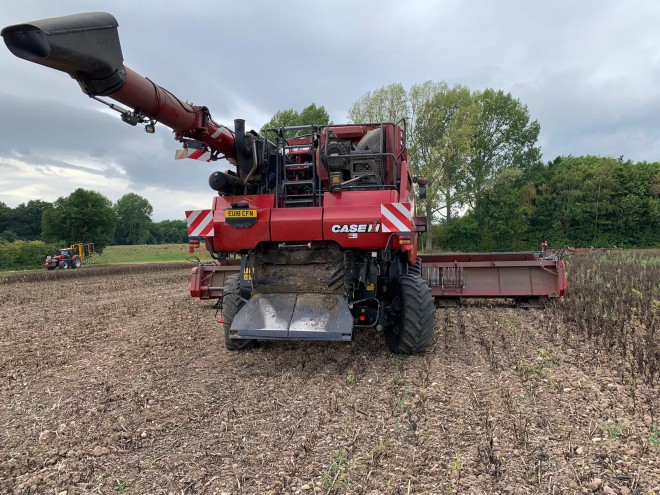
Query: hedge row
24,255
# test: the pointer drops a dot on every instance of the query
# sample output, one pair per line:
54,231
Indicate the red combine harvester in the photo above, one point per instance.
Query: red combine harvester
314,232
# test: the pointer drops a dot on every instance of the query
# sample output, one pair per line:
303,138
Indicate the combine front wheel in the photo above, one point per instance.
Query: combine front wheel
412,313
64,264
231,305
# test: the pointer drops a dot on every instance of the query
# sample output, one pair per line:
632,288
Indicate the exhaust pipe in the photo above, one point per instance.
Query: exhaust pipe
85,46
244,157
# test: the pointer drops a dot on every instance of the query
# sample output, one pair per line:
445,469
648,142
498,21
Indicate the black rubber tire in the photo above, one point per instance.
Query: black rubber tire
413,315
231,305
76,263
64,264
415,269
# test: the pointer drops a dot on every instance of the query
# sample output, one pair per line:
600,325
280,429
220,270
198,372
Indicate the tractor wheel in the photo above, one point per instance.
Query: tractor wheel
76,263
412,313
231,305
415,269
64,264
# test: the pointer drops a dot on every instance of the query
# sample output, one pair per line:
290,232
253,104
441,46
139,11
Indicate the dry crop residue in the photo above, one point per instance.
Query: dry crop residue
121,384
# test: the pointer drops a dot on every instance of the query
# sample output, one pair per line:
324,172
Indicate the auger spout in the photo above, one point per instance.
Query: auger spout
86,46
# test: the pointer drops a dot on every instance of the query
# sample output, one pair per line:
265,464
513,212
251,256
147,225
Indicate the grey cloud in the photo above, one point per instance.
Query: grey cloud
587,70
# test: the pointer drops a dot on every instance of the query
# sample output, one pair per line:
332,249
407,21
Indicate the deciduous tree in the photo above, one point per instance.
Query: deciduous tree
133,219
504,136
26,219
386,104
310,115
443,134
85,216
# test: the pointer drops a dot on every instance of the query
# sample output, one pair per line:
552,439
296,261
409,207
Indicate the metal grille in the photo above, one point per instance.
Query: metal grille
453,277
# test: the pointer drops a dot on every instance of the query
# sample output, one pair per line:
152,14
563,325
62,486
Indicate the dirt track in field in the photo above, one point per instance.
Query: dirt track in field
121,384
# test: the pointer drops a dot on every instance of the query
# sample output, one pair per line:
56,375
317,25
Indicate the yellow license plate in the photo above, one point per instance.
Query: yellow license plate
240,213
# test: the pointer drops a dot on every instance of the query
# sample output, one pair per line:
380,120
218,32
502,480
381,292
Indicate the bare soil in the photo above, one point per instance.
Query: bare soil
119,382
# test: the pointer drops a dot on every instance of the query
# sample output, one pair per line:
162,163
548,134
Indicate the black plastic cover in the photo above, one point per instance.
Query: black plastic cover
85,46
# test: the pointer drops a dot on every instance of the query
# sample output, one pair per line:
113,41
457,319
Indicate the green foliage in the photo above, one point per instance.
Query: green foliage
335,479
386,104
574,201
85,216
459,140
169,232
613,430
8,236
5,211
133,219
504,137
597,201
654,439
461,234
443,136
23,255
290,117
22,222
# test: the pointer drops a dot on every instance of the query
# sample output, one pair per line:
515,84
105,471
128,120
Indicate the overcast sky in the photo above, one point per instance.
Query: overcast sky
588,71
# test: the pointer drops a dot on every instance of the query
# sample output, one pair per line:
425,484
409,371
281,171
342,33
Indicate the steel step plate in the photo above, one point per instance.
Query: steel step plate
294,316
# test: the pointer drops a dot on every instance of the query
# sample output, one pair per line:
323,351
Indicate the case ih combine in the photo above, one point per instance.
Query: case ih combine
314,231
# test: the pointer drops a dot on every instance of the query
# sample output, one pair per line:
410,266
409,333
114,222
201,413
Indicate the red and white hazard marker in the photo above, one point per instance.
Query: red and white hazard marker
396,217
200,223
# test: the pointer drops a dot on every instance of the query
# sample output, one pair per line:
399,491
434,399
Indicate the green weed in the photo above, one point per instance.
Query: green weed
335,478
613,430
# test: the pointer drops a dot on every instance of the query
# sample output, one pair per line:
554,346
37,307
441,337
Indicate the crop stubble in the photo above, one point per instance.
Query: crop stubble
119,383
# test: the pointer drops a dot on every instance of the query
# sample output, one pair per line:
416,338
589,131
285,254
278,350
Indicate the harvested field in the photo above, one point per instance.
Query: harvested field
118,382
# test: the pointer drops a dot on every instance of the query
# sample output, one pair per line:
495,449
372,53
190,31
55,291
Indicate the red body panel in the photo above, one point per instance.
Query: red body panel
360,212
228,238
350,218
296,224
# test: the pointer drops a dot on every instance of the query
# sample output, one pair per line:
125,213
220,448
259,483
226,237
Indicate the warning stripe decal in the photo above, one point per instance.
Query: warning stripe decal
200,223
193,154
396,217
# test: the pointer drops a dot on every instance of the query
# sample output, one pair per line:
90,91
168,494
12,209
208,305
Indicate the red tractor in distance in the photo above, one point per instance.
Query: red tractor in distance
317,221
70,257
66,258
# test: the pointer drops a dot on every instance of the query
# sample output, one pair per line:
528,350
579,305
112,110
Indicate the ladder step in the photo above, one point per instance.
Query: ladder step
290,166
298,182
299,201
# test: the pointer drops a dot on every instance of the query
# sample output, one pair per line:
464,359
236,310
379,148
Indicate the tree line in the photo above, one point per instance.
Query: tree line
586,201
89,216
488,188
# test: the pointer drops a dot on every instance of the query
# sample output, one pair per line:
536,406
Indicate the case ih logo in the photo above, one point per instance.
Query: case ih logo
396,217
200,223
355,228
